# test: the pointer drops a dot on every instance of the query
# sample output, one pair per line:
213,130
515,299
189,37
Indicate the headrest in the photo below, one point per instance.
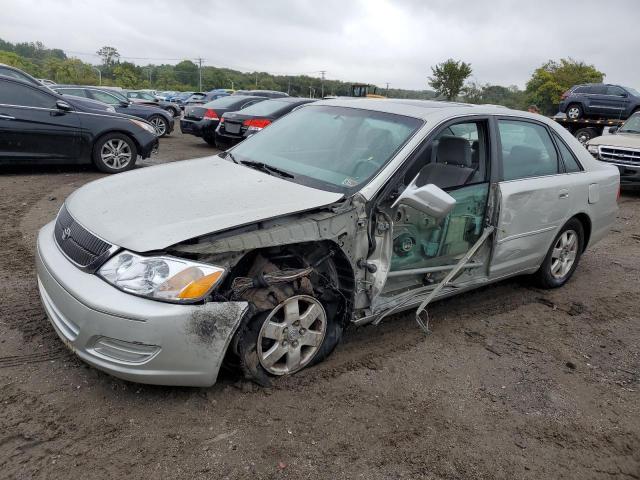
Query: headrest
454,151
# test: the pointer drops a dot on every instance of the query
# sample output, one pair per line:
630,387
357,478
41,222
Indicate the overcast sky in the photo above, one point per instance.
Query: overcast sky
375,41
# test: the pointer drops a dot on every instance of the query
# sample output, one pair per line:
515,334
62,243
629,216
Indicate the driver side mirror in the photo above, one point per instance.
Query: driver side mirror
613,129
428,199
124,104
64,106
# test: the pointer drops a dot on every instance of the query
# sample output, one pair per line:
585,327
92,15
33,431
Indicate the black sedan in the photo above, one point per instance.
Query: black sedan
202,120
161,120
141,97
236,126
38,125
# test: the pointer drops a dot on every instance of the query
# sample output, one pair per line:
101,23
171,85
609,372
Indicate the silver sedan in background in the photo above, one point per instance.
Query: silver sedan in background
342,212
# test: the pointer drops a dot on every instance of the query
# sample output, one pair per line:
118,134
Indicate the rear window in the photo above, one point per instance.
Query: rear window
266,108
227,102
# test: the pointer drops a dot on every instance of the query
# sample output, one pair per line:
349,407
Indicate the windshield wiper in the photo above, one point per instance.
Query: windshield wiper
230,155
263,167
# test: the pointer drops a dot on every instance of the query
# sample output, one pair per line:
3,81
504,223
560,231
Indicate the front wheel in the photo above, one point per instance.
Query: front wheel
585,134
114,153
160,124
563,256
297,333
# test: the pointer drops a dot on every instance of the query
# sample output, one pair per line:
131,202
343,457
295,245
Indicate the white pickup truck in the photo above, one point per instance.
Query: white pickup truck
622,149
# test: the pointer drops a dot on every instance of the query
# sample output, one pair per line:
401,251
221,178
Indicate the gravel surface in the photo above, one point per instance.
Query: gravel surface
514,382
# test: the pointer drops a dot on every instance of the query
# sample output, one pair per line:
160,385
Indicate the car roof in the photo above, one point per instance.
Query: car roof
290,99
422,109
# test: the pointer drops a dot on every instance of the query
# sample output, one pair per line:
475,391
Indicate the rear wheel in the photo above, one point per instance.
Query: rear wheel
209,138
563,256
574,111
114,152
160,124
172,111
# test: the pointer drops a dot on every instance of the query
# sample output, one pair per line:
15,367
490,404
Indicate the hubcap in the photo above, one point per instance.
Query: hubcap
564,254
158,124
584,138
116,153
573,113
291,335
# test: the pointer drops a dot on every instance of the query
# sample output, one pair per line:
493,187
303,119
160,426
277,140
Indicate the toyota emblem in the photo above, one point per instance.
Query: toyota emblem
66,233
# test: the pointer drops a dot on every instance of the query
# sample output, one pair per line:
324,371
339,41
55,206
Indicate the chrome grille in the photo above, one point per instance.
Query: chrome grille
77,243
625,156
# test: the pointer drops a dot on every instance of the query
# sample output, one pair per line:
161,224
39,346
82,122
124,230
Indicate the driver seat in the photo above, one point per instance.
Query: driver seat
452,166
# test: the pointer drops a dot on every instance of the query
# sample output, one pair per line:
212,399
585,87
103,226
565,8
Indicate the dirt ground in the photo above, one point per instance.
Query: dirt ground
514,382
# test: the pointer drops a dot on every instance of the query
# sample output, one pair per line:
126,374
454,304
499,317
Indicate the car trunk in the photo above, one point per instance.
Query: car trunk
233,124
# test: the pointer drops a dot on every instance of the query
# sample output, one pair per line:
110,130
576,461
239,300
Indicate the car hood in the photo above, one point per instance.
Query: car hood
156,207
630,140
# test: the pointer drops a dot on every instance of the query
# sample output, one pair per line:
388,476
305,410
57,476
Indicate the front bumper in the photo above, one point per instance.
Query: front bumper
130,337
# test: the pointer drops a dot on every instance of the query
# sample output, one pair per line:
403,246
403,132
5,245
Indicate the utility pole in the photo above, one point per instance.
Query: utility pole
322,72
256,80
199,74
387,89
99,75
289,85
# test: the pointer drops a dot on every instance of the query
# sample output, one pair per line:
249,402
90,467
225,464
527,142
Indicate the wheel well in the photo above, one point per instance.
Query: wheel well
122,132
328,259
584,219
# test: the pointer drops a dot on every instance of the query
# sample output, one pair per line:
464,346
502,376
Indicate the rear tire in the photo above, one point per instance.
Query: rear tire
563,256
173,112
574,111
210,139
114,153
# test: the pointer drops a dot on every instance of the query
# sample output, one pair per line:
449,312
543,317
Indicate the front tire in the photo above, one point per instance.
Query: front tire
160,124
585,134
563,256
173,112
297,333
574,111
114,153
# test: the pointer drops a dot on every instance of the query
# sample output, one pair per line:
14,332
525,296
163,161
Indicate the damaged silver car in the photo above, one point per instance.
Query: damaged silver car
341,213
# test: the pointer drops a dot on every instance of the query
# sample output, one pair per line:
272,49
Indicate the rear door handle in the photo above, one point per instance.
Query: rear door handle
6,117
563,194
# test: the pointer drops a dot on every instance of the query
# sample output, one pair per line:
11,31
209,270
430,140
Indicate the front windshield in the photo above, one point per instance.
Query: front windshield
632,125
332,148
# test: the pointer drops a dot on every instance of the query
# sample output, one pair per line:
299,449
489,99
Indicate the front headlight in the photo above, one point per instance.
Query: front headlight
161,278
148,127
593,149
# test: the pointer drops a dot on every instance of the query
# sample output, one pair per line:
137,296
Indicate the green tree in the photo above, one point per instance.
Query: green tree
110,56
551,80
15,60
511,97
448,77
126,75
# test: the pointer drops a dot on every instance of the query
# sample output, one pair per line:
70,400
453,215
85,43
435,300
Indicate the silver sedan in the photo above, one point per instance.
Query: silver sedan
340,213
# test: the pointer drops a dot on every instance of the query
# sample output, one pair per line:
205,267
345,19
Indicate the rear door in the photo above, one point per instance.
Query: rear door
598,102
535,198
33,128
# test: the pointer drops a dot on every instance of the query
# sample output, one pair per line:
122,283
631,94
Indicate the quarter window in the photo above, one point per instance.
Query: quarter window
16,94
568,158
527,150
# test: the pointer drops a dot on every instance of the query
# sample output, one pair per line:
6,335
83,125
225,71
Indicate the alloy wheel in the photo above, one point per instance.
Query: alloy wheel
564,254
160,125
116,153
573,113
291,335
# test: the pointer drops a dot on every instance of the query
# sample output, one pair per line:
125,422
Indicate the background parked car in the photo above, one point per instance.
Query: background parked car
166,95
201,99
202,120
161,120
236,126
600,100
38,125
141,97
262,93
181,98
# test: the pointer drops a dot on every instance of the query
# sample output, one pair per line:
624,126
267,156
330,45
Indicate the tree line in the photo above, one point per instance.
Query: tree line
448,80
